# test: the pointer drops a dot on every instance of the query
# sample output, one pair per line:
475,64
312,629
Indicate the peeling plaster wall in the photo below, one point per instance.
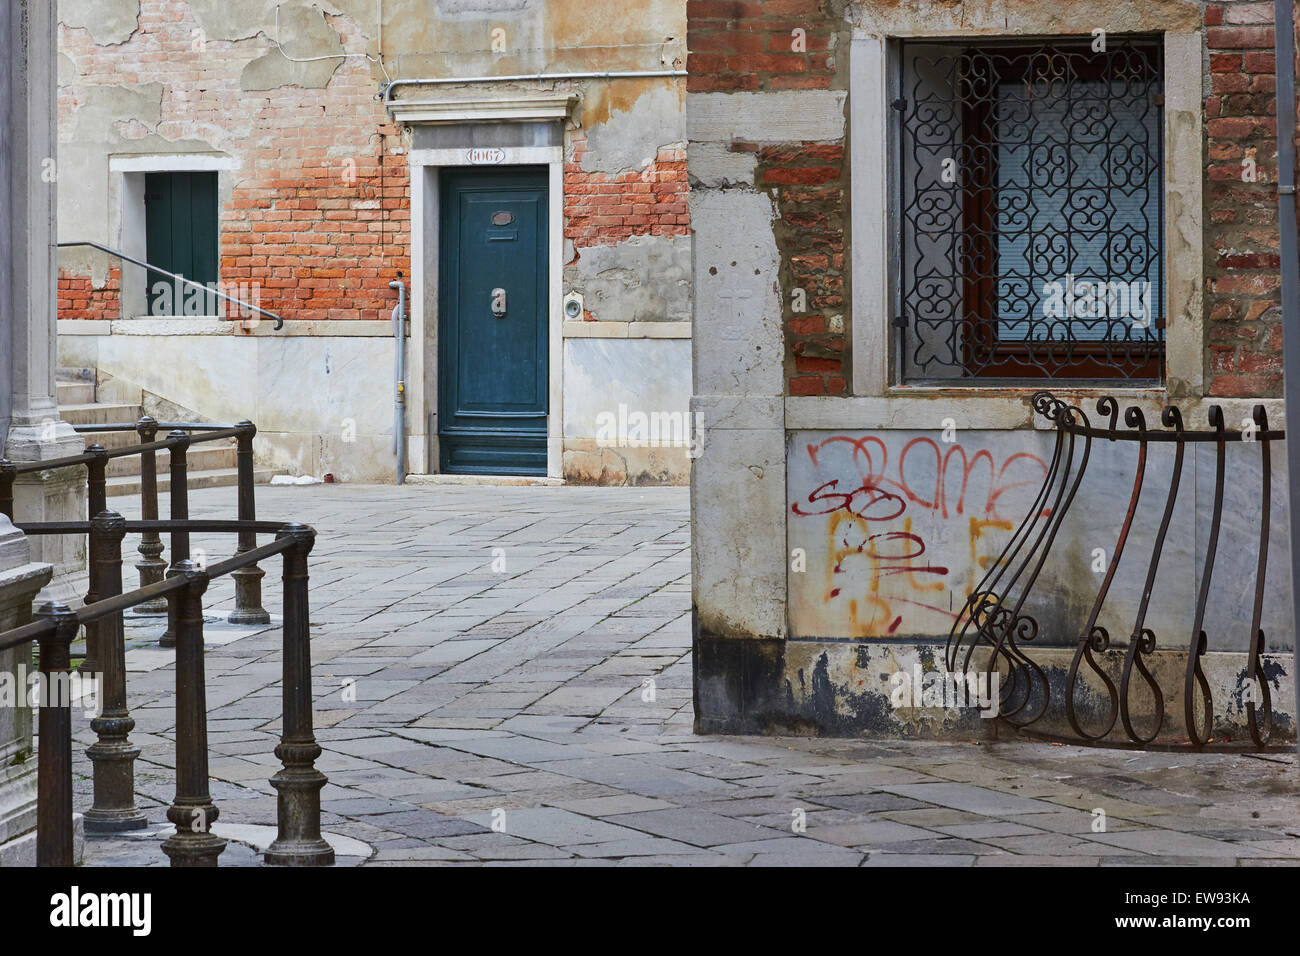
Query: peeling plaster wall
314,186
108,21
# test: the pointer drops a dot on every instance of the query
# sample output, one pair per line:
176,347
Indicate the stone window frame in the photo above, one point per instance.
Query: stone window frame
873,82
127,224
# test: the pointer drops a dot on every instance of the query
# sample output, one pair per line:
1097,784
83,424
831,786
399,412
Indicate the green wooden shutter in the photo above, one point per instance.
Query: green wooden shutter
180,235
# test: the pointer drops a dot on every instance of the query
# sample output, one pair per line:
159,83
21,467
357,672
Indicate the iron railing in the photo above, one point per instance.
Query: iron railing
193,812
995,621
180,436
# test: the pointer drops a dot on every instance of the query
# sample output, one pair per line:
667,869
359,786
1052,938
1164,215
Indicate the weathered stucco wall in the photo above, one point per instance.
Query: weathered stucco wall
315,191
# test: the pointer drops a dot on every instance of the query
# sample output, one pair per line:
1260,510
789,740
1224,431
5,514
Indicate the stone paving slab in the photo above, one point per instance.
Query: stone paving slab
474,717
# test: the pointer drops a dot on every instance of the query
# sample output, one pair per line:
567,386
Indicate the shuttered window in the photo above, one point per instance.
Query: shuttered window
181,236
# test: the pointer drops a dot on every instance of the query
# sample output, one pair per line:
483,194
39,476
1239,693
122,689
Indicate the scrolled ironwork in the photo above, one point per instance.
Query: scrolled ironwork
995,618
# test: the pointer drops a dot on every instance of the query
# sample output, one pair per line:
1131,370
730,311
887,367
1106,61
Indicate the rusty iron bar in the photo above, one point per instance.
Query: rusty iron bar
192,811
984,606
298,783
984,601
1199,644
180,511
54,824
113,755
248,580
993,616
1009,628
96,503
1259,716
1094,637
151,567
1142,641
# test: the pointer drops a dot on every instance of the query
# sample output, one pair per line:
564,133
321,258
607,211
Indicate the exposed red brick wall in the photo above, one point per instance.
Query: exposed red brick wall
808,182
759,45
604,209
737,46
322,238
318,207
79,298
1242,267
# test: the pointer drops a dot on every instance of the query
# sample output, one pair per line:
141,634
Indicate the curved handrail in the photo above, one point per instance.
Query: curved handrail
279,322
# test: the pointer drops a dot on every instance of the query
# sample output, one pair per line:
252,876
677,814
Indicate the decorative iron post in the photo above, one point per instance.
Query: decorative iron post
299,783
8,472
180,511
248,581
97,502
54,831
151,566
192,811
113,754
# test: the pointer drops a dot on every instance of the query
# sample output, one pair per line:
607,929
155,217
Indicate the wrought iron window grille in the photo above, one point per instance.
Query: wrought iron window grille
1031,211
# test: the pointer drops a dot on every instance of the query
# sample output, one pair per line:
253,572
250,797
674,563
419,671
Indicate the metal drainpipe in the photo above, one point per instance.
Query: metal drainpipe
399,400
1284,37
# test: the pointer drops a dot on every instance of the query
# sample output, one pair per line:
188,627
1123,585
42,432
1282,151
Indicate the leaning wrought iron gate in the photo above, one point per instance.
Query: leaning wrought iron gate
995,619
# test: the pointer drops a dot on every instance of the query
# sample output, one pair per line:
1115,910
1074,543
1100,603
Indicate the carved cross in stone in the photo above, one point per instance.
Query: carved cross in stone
730,322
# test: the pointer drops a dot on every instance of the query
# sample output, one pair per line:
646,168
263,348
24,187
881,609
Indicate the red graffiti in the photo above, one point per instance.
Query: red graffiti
947,481
882,497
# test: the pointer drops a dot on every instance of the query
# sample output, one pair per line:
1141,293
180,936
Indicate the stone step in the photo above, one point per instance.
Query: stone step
217,456
218,478
75,393
110,439
98,413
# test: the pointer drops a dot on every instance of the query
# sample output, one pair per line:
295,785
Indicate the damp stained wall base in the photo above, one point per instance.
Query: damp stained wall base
883,689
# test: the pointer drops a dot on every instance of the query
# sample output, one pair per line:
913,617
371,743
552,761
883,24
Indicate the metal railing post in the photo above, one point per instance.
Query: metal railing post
299,783
8,472
180,511
113,754
54,830
192,811
97,502
248,581
151,566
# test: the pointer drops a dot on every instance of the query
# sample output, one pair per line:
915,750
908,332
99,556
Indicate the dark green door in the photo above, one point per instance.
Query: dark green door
493,386
180,212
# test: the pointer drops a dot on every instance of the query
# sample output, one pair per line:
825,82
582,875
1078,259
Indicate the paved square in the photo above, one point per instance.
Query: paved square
502,675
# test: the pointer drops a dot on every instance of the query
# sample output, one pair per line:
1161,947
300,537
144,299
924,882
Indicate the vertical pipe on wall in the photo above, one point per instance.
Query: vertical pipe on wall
399,394
1284,38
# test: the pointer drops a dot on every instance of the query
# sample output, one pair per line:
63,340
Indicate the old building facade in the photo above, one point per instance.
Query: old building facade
909,219
518,165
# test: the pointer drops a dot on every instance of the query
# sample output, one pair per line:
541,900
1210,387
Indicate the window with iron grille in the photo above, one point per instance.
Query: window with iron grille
1031,211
